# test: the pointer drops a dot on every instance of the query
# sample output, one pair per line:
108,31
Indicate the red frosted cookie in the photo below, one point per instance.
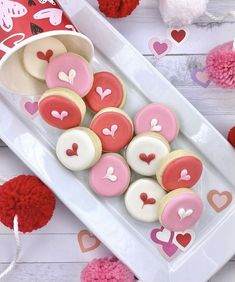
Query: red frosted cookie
179,169
62,108
107,91
114,128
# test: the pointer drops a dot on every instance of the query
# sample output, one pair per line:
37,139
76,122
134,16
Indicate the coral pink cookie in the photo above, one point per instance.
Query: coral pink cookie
62,108
180,209
110,176
114,128
107,91
142,199
157,118
145,151
70,71
179,169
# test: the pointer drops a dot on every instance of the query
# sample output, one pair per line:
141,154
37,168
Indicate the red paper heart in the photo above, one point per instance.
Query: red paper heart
45,57
74,151
178,35
147,158
184,239
146,200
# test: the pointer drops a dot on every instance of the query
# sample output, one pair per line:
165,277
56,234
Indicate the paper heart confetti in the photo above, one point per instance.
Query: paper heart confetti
164,239
103,93
67,77
147,158
200,76
184,175
219,201
155,126
58,115
74,151
184,213
45,56
146,200
87,241
184,240
110,174
111,131
160,48
29,107
178,36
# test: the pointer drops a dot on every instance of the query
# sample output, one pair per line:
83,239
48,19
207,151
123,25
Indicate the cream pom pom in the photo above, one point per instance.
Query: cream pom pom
181,12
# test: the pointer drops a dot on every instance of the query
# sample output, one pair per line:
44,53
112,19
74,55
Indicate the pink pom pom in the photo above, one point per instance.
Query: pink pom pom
106,270
220,64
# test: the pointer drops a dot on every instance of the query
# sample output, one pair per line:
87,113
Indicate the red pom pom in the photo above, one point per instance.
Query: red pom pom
231,136
28,198
117,8
220,65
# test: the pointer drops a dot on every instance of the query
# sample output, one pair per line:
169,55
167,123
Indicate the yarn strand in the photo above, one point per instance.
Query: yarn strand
219,18
18,249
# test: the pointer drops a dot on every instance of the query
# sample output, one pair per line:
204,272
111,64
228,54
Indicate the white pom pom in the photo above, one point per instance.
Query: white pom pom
181,12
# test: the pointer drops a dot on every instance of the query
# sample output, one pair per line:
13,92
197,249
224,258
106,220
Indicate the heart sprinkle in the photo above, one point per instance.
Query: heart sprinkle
45,56
155,126
183,214
147,201
74,151
200,76
147,158
111,131
103,93
219,201
69,78
110,174
184,176
178,35
58,115
160,48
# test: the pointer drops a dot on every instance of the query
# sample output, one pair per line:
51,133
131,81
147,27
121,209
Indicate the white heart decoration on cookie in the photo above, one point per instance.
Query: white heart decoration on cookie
111,131
184,175
103,93
69,78
183,213
110,174
58,115
164,235
155,126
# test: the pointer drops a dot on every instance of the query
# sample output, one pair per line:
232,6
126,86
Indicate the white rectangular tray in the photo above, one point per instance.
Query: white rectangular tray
34,143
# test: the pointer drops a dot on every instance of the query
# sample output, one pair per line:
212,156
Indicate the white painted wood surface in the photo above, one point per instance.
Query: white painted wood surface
50,254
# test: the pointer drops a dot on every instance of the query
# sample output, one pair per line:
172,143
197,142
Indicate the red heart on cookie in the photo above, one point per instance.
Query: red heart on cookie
147,158
146,200
45,56
74,151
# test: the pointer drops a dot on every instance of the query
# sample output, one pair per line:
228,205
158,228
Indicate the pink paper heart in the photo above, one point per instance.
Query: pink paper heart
31,107
160,48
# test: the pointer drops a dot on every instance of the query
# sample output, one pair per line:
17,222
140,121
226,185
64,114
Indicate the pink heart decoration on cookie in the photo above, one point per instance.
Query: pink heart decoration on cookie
160,48
219,200
184,175
58,115
111,131
87,241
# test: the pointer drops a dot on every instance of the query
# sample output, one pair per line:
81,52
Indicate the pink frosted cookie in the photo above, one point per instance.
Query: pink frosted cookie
110,176
145,151
180,209
180,168
142,199
107,91
114,128
70,71
62,108
157,118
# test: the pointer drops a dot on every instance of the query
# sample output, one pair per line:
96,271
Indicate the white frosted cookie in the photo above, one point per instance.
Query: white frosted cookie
142,199
38,54
145,151
78,148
